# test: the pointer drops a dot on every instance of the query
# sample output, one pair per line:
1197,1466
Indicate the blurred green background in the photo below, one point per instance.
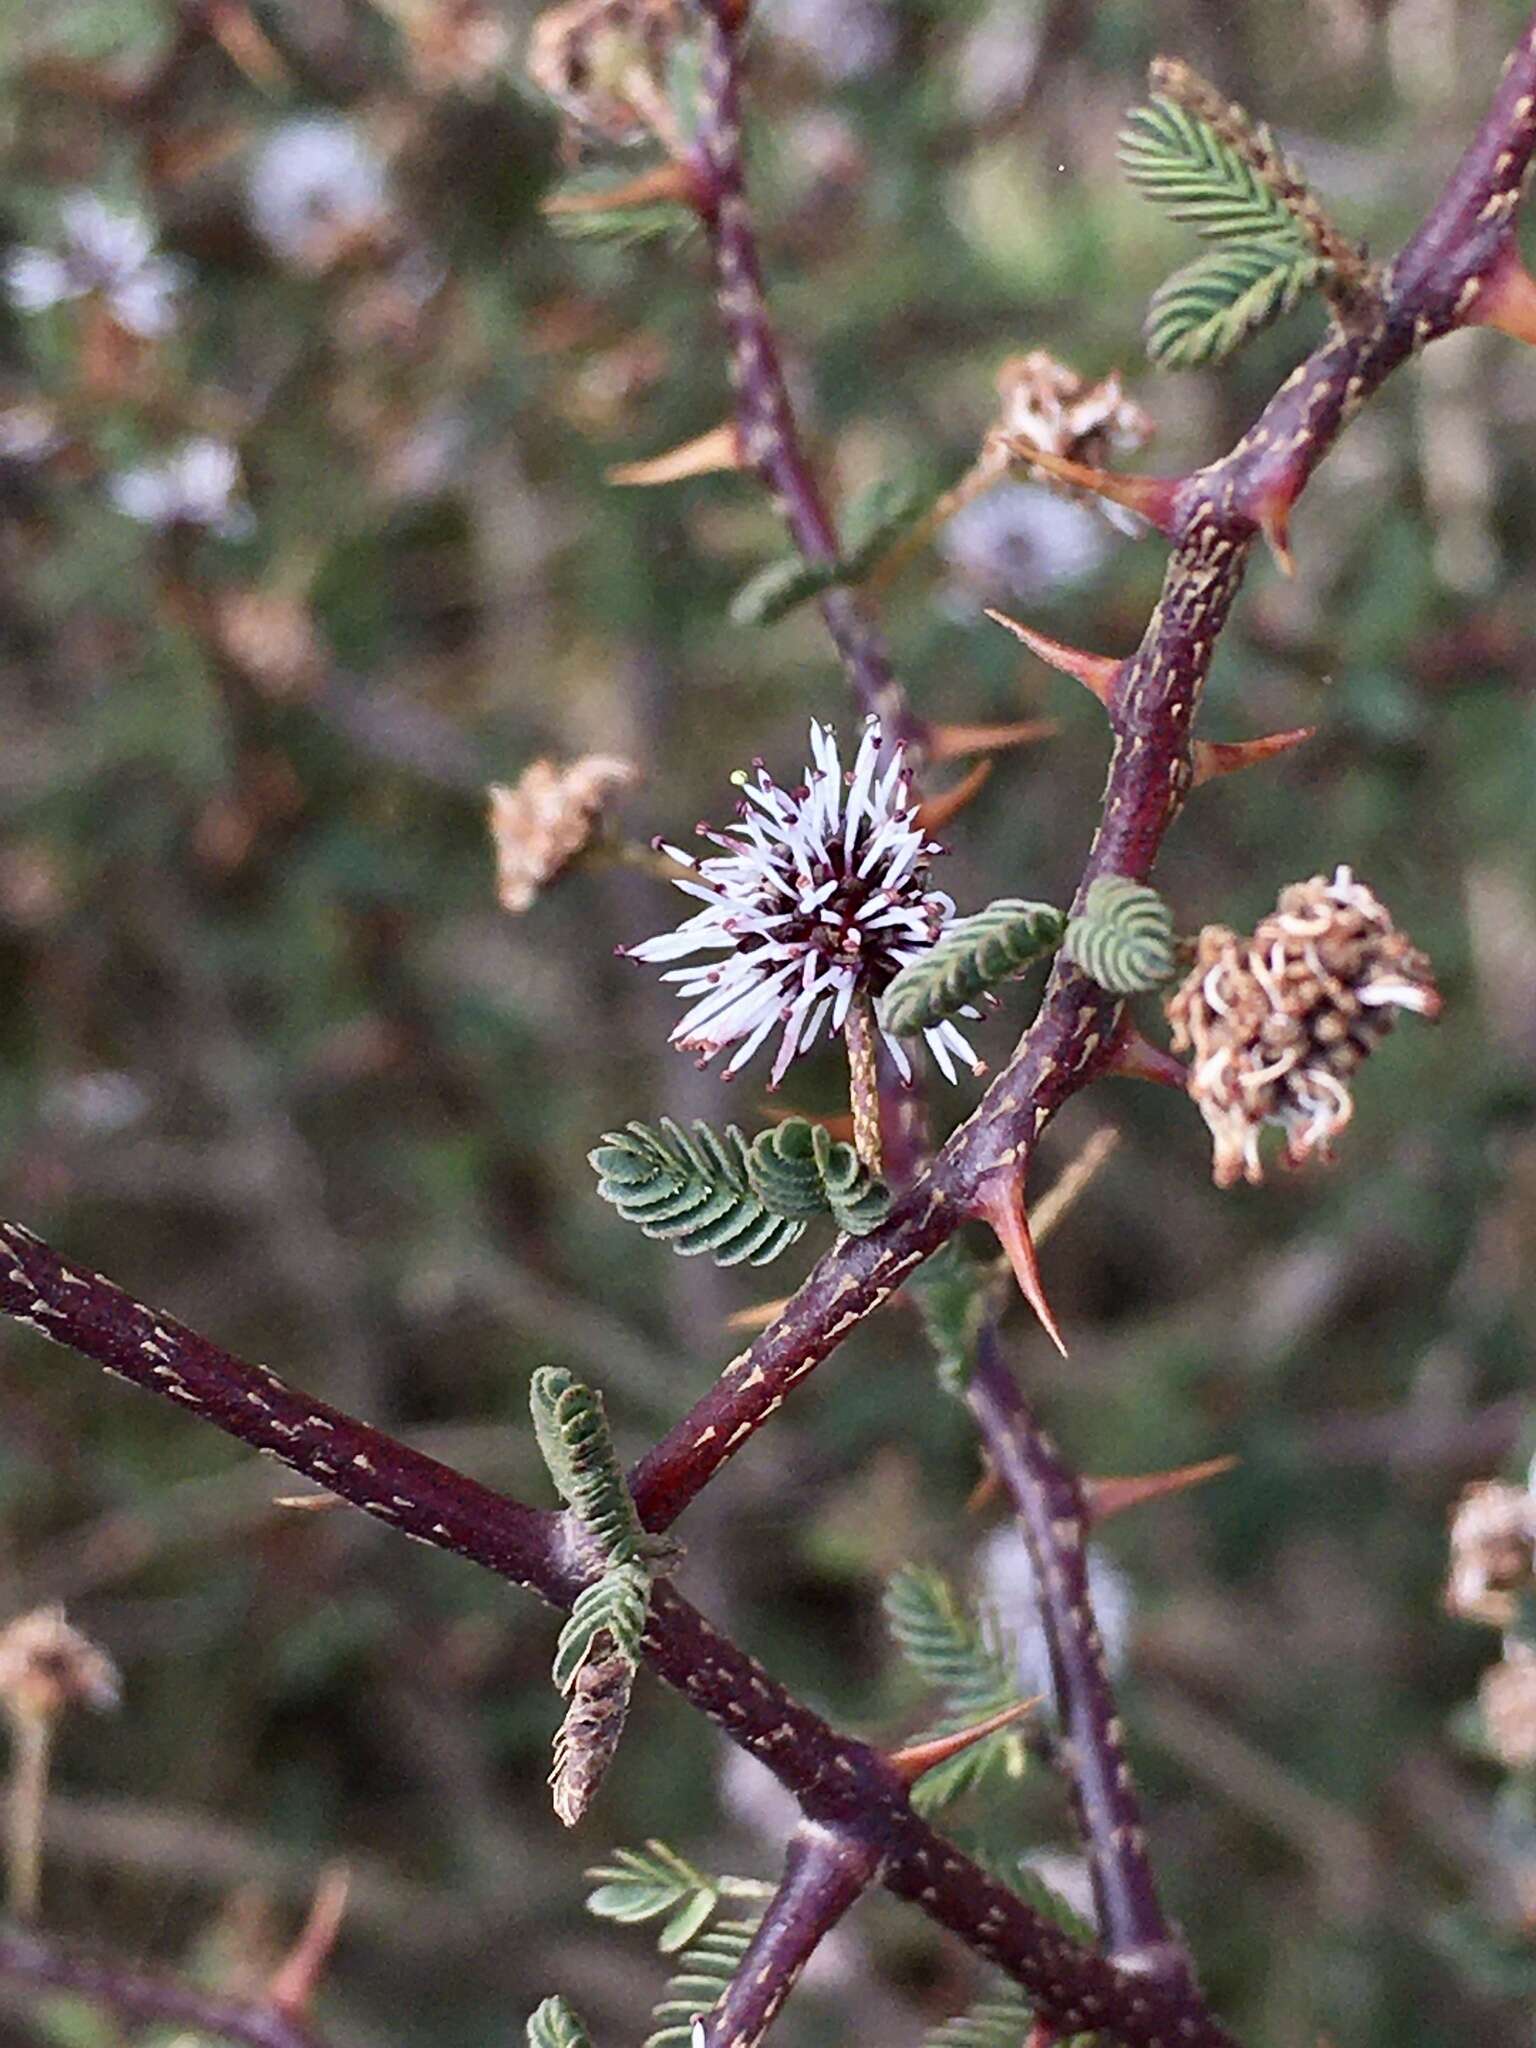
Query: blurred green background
274,1058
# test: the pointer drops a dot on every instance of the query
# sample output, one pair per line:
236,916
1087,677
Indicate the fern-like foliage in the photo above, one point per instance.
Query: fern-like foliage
874,522
1124,936
950,1291
972,955
712,1191
611,1611
577,1445
703,1974
691,1190
1001,2020
965,1659
655,1883
1265,262
1211,306
799,1169
554,2025
1196,176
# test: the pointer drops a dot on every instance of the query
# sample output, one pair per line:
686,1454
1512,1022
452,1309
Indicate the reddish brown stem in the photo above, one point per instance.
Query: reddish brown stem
1430,289
33,1963
825,1872
770,437
1053,1519
839,1784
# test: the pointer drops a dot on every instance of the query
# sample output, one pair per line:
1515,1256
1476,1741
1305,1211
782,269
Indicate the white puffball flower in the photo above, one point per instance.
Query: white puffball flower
1021,540
102,250
197,486
1011,1591
316,184
819,897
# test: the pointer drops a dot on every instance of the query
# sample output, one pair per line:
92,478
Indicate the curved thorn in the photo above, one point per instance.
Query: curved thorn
719,449
911,1763
1112,1496
1096,672
936,811
1507,299
1225,757
1137,1059
1001,1204
1153,497
953,742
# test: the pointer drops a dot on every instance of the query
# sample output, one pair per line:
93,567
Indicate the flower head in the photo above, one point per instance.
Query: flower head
106,252
318,192
1279,1022
196,486
819,895
540,823
604,63
46,1666
1493,1552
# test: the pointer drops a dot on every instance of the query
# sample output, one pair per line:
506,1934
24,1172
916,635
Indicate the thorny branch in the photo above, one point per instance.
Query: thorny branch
841,1785
769,436
34,1963
1461,267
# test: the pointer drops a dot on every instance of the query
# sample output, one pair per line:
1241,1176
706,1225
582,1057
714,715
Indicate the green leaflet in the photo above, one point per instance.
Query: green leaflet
575,1443
612,1607
691,1190
965,1660
873,523
1211,306
1195,176
1124,936
711,1191
1264,262
799,1169
704,1970
645,1884
554,2025
971,956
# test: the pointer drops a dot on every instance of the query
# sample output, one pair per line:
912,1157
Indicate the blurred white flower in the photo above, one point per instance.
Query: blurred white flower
842,38
820,895
1020,540
29,433
317,187
196,486
1009,1588
996,62
108,252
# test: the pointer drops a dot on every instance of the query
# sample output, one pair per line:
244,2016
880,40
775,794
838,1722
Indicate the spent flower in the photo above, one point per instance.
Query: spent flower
549,816
47,1665
820,896
1278,1022
103,251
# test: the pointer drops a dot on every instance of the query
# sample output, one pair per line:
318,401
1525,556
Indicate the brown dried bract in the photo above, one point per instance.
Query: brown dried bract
589,1734
1278,1023
540,823
1493,1552
604,63
46,1666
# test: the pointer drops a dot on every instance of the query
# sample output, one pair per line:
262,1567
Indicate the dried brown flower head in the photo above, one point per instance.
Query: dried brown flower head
1507,1697
1278,1023
549,815
452,45
604,63
1493,1552
1050,405
270,637
46,1666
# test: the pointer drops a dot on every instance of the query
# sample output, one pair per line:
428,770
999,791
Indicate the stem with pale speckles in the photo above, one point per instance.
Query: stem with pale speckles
1048,1501
841,1785
32,1962
825,1872
765,418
